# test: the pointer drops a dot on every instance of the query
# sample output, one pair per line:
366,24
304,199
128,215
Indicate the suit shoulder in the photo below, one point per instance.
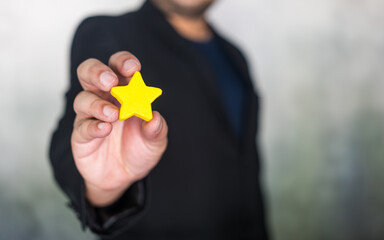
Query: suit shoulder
103,30
102,23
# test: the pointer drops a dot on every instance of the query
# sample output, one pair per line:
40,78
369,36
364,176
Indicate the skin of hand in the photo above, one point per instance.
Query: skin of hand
110,154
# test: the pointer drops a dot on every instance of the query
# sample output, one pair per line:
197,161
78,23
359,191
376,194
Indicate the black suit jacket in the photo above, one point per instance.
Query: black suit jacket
206,186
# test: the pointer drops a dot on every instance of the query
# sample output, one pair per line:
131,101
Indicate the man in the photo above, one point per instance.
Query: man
192,172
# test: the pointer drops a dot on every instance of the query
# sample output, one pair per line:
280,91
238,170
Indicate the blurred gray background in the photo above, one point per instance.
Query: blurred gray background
318,66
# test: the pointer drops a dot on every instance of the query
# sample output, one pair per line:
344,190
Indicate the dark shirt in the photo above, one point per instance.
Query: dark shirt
231,86
206,185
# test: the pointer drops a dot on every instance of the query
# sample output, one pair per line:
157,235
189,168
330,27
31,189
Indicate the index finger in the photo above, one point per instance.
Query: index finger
95,76
124,64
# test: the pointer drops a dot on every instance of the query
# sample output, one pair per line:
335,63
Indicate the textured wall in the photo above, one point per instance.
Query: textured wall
319,70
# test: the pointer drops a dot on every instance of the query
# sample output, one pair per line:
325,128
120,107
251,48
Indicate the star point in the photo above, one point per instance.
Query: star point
136,98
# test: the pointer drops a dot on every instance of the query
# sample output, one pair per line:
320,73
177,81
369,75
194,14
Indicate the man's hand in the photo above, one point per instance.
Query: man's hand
112,154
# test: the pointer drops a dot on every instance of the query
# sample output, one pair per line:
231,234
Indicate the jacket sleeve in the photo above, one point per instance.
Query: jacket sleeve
92,40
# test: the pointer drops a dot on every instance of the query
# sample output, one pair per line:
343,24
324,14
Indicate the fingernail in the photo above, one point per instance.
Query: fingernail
107,79
130,65
108,111
101,125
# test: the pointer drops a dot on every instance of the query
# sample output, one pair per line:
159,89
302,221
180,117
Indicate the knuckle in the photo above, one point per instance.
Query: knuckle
84,66
89,67
80,70
76,123
83,128
120,57
121,54
95,68
81,66
113,58
89,128
77,102
126,54
96,107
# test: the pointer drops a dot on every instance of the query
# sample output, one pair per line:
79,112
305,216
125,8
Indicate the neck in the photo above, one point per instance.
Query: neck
194,29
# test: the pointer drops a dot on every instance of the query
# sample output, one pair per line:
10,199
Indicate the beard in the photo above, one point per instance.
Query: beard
184,7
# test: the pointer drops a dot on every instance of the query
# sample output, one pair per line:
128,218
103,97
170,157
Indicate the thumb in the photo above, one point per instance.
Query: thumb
156,130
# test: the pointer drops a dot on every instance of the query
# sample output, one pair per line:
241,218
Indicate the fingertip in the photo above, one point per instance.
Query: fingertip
90,129
108,80
101,125
125,63
111,113
102,129
130,66
104,126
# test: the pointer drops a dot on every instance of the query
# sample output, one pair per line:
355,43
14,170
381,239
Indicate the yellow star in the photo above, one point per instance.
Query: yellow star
136,98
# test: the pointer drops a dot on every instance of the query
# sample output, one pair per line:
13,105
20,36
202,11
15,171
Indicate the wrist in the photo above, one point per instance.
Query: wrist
103,197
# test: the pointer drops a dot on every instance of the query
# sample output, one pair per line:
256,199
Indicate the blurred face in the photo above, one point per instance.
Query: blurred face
186,8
